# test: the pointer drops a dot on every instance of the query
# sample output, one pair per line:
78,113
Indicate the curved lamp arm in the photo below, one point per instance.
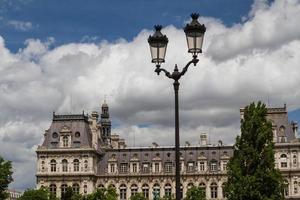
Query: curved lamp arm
184,70
158,70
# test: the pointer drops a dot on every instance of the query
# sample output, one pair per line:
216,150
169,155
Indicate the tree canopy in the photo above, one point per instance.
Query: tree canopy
195,193
5,177
251,170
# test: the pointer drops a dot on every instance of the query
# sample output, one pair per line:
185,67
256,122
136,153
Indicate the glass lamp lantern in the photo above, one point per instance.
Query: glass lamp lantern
194,32
158,45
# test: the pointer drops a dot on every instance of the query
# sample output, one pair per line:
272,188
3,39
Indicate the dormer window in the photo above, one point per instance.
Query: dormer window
65,141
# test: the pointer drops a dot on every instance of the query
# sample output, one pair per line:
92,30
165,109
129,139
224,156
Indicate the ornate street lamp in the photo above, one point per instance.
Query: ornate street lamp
158,45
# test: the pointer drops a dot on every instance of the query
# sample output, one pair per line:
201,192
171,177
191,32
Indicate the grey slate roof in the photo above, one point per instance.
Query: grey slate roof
72,123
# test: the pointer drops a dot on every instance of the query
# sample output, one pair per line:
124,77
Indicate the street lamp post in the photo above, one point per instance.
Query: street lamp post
158,45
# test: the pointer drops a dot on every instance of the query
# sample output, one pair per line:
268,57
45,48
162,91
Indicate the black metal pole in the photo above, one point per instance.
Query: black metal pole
177,143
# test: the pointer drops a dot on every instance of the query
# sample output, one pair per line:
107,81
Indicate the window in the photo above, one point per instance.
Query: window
53,166
64,165
156,167
55,135
286,188
52,189
145,168
190,185
76,188
295,160
223,190
65,141
168,167
86,165
134,189
168,190
203,187
101,186
123,192
43,166
213,165
85,189
112,168
295,187
76,144
145,191
224,165
201,166
214,191
190,166
134,167
63,190
77,135
76,165
283,161
123,168
156,191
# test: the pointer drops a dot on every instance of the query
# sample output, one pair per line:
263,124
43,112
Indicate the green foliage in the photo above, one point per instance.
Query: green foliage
5,177
31,194
251,170
138,196
195,193
68,194
168,197
109,193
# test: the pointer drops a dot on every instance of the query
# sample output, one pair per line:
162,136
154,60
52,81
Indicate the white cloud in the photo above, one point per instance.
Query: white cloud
20,25
240,64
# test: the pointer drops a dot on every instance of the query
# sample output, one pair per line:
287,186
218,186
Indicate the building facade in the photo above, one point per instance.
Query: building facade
80,151
13,194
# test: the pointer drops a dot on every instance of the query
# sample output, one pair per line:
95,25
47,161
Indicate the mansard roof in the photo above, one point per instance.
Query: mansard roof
70,125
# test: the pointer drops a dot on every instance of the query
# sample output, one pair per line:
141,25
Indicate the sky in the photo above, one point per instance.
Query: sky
68,56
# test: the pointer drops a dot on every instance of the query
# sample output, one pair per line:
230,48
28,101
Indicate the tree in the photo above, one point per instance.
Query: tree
251,170
138,196
109,193
195,193
31,194
5,177
68,194
168,197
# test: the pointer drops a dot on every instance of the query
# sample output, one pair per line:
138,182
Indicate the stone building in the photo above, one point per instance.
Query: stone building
80,151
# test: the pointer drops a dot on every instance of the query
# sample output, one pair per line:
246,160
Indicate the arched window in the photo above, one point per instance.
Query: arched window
101,186
64,165
295,187
223,190
85,165
156,190
203,187
123,191
168,190
134,189
76,165
63,189
76,188
52,189
145,191
286,188
85,189
283,161
53,165
213,190
112,186
190,185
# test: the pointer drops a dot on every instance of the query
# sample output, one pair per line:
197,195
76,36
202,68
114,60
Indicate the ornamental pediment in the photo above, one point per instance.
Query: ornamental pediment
65,129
